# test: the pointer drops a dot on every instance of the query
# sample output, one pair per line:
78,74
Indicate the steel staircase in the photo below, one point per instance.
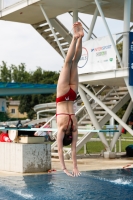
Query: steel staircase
63,35
113,98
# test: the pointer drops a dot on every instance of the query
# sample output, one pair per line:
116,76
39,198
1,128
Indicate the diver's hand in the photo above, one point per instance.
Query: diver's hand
67,172
76,172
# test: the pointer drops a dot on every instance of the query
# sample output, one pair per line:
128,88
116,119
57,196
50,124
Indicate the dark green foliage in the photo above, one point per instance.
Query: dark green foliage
45,77
20,75
122,110
5,73
3,116
120,47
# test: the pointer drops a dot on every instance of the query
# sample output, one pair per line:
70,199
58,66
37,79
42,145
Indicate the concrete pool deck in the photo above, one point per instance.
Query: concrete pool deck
87,164
84,164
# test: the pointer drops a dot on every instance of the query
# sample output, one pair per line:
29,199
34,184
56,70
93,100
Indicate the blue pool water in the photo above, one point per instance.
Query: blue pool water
96,185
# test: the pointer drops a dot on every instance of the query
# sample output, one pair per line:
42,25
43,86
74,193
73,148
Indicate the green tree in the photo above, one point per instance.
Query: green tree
120,48
122,110
19,74
37,76
50,77
27,102
5,73
3,116
26,105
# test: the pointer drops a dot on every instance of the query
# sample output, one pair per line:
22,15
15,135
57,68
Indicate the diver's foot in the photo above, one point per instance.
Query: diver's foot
78,30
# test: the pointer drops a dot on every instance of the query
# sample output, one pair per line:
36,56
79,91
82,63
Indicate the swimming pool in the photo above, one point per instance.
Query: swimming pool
95,185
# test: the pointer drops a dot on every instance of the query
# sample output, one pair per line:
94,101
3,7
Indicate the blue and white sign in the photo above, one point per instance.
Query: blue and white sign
131,58
97,55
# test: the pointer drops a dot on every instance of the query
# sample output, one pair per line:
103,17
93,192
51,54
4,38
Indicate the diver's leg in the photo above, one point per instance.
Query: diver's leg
64,78
78,52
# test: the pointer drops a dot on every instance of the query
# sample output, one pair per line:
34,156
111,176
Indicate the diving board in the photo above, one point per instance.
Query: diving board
55,129
7,89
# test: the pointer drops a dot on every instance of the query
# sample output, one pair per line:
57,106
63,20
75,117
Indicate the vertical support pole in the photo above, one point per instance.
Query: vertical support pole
48,21
112,127
109,33
84,149
126,28
120,144
1,7
92,24
75,16
37,115
115,148
112,121
93,117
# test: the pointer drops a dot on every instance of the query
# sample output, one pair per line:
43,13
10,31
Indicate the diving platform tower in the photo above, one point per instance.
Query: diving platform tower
104,92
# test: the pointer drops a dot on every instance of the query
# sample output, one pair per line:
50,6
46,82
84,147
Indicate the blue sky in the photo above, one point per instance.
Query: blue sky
20,43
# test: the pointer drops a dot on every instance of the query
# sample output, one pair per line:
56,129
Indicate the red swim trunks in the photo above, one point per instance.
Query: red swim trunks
69,96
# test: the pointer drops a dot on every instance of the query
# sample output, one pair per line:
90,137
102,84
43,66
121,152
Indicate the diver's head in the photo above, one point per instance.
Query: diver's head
67,140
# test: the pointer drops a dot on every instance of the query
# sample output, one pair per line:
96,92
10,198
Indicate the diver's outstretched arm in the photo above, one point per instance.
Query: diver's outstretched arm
75,171
60,137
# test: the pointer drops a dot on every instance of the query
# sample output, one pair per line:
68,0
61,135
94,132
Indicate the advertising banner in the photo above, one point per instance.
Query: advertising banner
2,105
131,58
97,55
